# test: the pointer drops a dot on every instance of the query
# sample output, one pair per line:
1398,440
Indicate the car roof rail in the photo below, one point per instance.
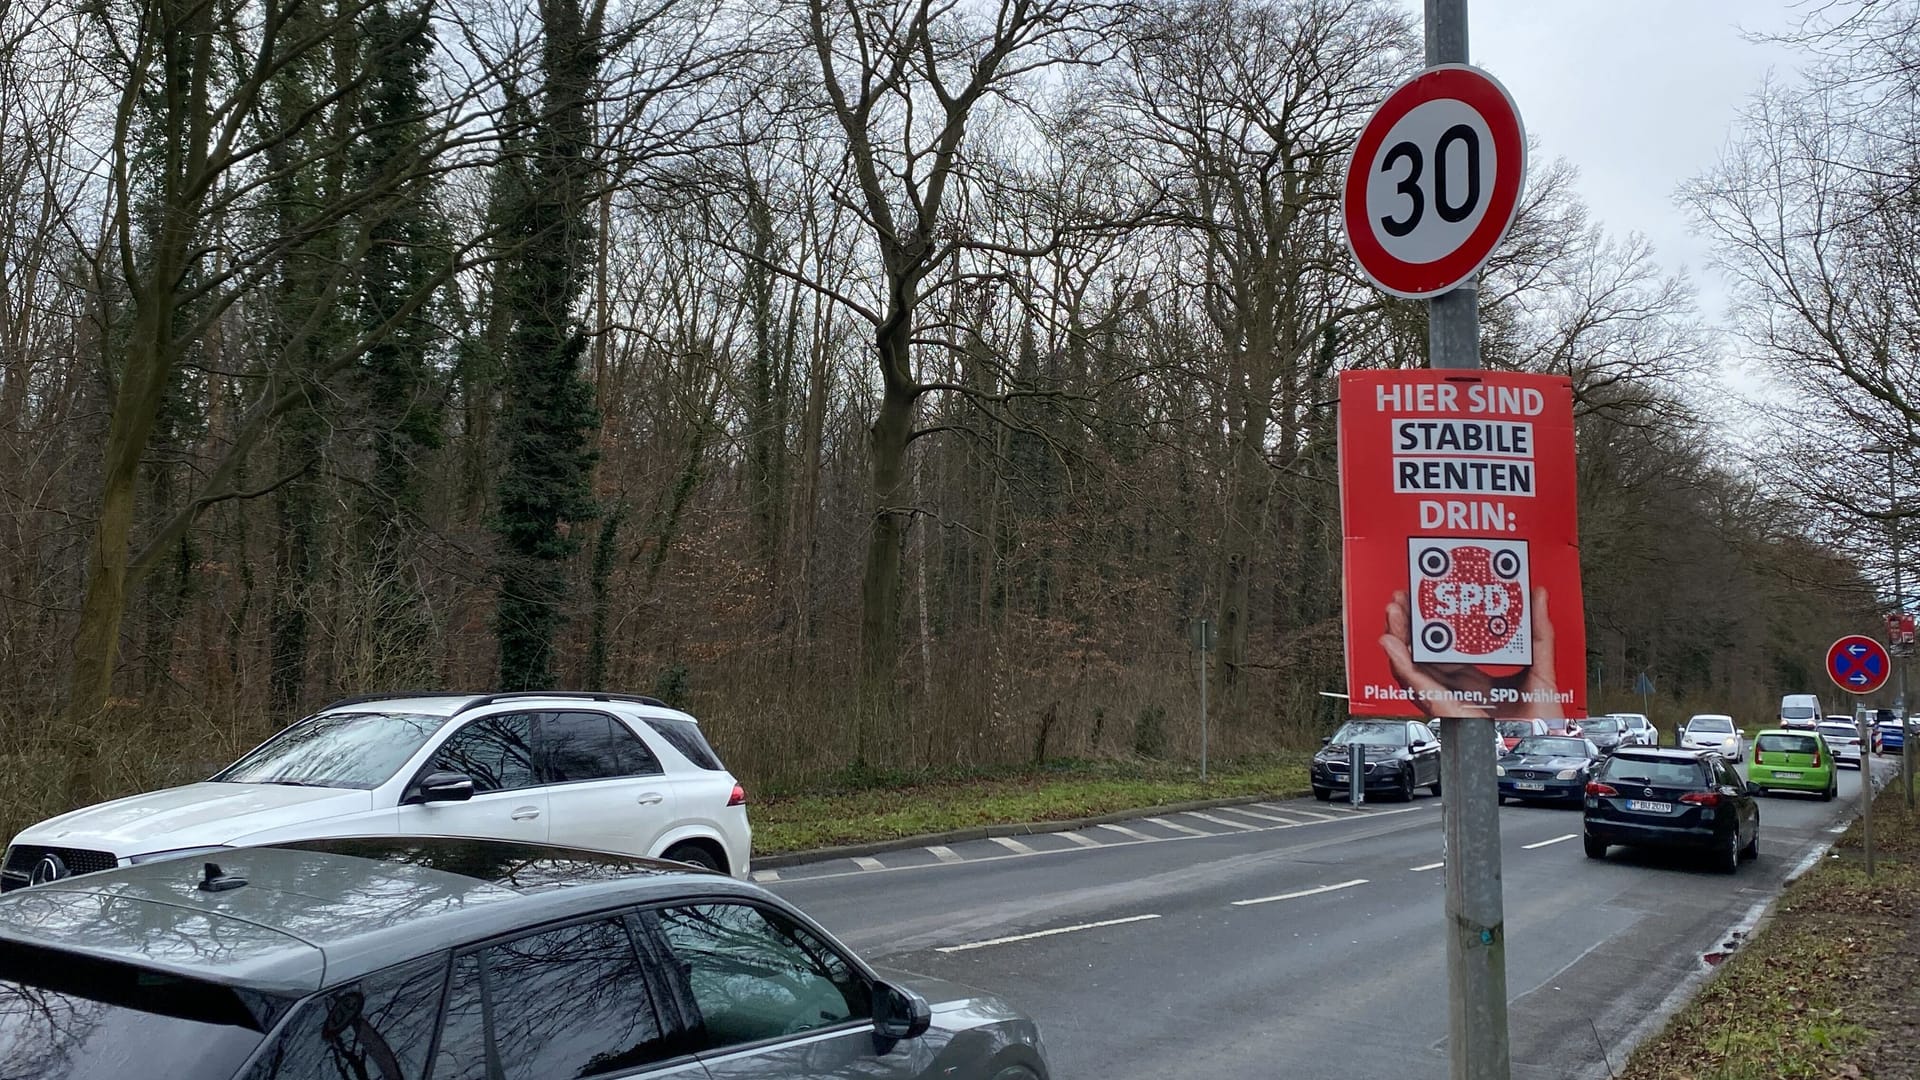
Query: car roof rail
580,695
393,695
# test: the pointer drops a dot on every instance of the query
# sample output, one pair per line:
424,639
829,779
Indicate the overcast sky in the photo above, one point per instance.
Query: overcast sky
1639,95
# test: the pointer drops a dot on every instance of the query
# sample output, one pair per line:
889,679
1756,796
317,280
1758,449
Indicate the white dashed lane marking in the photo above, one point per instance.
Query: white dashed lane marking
1177,827
1080,838
944,853
1124,831
766,875
1012,845
1301,893
1544,843
868,862
1246,826
1258,816
1429,866
1011,938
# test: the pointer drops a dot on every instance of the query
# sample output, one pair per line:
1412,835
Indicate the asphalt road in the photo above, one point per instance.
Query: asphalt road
1301,939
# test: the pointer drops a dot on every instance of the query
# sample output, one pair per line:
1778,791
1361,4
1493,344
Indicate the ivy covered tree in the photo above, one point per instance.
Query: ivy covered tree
548,415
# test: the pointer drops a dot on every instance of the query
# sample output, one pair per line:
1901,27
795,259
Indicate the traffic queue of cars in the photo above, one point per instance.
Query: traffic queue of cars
498,886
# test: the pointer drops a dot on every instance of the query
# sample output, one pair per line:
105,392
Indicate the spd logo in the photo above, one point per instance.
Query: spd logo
1469,601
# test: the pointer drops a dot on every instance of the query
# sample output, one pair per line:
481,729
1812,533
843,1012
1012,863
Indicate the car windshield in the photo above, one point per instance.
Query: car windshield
339,750
1515,729
1797,712
1788,744
63,1018
1664,773
1552,747
1371,733
1600,725
1710,723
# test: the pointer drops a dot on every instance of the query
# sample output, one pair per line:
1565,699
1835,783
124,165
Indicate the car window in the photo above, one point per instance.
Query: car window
686,737
1516,729
344,750
571,1002
378,1028
497,751
591,746
1788,744
1839,731
1371,733
754,974
1664,773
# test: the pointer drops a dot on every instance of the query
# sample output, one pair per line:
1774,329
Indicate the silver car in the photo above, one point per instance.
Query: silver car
1844,737
384,957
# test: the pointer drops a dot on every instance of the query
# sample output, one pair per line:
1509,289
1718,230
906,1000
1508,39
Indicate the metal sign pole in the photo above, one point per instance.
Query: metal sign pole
1476,922
1899,608
1860,714
1206,647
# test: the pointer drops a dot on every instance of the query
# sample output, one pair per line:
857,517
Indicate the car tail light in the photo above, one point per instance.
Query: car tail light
1816,755
1701,798
1756,752
1595,787
739,796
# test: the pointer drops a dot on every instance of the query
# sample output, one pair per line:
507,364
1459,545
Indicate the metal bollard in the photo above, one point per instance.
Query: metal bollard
1356,773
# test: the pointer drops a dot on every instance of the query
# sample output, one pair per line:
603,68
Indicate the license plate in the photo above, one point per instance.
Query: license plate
1782,774
1524,786
1650,807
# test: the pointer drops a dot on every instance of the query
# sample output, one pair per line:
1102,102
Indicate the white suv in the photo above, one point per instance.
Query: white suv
607,771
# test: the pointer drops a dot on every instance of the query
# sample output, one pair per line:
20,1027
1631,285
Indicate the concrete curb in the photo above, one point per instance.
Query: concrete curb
1023,828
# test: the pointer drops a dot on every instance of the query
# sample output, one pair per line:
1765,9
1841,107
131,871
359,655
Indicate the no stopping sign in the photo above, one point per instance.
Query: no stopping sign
1435,181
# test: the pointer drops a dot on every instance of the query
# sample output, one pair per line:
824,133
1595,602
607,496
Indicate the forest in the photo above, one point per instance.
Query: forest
890,382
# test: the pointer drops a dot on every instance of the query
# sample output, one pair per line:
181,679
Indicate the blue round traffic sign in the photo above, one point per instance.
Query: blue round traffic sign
1858,664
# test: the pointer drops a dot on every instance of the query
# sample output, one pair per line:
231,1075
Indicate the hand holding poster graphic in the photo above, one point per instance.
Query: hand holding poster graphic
1460,539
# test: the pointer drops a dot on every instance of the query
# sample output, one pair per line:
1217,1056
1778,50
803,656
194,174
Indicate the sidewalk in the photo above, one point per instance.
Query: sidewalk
1829,987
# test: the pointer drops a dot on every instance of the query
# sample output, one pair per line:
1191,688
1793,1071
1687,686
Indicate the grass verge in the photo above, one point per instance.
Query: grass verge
863,806
1826,988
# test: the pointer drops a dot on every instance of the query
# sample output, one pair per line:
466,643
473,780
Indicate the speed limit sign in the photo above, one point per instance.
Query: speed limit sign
1435,181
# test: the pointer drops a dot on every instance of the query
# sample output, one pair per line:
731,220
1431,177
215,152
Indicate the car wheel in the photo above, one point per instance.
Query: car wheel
1407,787
1730,856
1832,790
1752,850
1499,800
1595,849
1435,788
695,854
1323,794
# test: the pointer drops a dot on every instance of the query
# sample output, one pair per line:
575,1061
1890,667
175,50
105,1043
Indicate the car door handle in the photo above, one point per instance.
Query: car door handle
526,813
651,798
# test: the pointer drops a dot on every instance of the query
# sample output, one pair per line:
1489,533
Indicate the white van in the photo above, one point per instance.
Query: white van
1800,711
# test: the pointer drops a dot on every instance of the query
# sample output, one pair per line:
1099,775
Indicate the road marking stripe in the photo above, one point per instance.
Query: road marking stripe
766,875
1080,838
1188,829
1124,831
944,853
1228,822
1012,845
1043,933
1301,893
868,862
1275,818
1303,813
1430,866
1544,843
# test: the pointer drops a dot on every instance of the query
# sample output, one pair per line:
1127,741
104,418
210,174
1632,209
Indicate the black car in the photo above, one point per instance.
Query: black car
1400,755
1644,797
386,958
1547,767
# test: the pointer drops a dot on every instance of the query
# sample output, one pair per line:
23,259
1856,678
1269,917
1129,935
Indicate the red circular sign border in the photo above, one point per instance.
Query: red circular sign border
1490,99
1886,669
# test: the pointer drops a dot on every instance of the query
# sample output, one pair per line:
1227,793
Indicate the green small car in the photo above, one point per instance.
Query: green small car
1793,761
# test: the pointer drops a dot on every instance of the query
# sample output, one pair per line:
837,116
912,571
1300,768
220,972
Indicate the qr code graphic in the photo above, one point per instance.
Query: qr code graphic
1469,601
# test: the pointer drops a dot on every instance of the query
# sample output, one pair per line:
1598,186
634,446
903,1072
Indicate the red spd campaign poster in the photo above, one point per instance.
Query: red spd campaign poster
1462,548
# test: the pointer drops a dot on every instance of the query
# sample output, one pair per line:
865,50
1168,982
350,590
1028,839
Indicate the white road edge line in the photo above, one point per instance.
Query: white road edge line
1544,843
868,862
1011,938
1012,845
1301,893
1429,866
944,854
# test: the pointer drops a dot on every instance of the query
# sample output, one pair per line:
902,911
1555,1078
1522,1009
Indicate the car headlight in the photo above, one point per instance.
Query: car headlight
1499,770
1566,774
176,853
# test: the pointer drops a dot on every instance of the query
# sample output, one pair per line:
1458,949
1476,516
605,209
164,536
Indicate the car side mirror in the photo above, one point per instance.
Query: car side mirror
443,785
898,1013
1326,740
1743,733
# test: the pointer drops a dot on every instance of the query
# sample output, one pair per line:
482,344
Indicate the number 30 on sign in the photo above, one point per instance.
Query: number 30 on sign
1435,181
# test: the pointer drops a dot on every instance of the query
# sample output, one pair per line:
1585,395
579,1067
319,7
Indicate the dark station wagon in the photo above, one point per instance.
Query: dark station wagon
455,959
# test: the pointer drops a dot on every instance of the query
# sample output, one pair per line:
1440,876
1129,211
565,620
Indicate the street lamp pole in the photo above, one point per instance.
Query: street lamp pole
1899,608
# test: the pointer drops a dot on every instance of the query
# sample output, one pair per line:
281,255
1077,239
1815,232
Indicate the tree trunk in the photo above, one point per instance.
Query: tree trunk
887,444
